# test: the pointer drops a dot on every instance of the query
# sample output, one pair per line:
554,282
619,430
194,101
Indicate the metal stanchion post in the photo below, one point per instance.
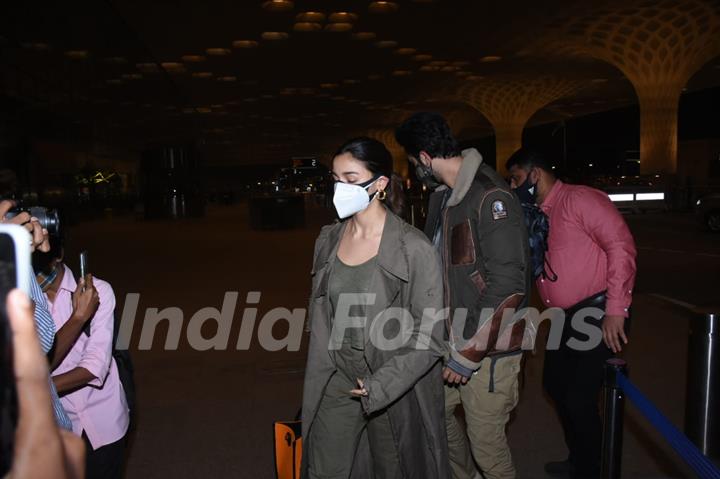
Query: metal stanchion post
702,402
614,402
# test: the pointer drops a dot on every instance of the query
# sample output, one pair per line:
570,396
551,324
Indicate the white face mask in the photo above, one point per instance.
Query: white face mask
351,199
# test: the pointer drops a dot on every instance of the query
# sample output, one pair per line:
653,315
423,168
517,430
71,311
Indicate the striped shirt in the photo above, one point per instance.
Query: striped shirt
45,327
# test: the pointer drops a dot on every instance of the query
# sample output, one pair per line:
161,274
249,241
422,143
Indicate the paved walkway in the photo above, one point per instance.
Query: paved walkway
210,414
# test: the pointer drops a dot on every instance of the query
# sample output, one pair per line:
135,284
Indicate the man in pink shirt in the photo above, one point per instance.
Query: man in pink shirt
589,262
87,377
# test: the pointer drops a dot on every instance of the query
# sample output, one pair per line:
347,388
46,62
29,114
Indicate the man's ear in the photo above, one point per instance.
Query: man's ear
424,158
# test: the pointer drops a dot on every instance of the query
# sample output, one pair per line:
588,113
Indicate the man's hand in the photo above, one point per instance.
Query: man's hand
85,300
41,449
39,234
453,378
613,328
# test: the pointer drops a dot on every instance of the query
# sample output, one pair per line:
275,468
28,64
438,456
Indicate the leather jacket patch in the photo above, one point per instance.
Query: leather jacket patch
478,281
462,244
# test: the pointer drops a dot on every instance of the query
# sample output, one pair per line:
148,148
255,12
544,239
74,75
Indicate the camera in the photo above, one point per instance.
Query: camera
48,218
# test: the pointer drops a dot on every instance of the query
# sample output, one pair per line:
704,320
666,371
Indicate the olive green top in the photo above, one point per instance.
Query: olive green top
346,279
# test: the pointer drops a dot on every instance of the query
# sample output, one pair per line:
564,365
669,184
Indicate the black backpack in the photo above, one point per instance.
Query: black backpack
125,371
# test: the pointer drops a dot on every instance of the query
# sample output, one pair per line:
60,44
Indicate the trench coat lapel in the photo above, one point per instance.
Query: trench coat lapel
392,271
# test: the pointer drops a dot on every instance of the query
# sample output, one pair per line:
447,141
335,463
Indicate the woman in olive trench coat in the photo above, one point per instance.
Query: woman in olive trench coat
405,382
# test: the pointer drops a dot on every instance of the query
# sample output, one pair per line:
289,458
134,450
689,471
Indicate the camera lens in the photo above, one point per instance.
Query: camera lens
47,218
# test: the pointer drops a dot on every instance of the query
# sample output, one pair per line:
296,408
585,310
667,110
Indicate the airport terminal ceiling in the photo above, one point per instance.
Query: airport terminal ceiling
254,77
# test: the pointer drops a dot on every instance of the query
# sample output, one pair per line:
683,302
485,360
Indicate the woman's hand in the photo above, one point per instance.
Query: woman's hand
361,392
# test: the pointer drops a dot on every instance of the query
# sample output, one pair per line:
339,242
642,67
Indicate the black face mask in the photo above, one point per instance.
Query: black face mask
527,192
426,176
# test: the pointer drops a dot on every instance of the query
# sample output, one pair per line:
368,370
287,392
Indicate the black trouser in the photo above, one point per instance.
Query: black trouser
573,379
106,462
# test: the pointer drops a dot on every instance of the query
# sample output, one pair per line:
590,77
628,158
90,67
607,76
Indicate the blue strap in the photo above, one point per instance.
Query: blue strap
702,466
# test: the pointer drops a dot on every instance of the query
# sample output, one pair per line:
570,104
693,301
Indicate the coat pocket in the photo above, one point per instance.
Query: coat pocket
462,244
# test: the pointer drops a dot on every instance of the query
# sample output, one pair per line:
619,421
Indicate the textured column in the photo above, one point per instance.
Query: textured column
509,103
387,136
658,45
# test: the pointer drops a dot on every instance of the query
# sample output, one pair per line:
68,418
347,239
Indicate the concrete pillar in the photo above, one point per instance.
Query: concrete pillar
659,46
509,103
387,136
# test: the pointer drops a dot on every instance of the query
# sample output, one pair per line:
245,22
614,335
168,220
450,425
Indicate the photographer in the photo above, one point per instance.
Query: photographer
43,321
86,375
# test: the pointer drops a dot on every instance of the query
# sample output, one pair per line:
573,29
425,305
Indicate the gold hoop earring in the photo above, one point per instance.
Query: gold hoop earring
382,194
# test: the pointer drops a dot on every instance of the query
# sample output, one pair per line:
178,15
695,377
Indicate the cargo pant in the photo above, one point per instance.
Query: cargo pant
340,423
487,399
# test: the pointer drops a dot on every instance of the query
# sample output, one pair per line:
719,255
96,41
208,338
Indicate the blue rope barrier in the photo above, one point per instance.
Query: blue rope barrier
702,466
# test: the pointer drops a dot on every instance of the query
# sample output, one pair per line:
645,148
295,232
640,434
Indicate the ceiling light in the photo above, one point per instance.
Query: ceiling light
386,44
288,91
401,73
172,66
147,67
278,6
218,52
116,60
406,51
307,27
37,46
490,59
339,27
77,54
203,109
245,44
422,58
383,7
274,36
450,68
192,58
228,78
342,17
364,36
310,17
202,74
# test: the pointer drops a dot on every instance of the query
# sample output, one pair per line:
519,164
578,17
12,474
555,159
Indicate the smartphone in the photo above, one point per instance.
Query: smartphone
15,272
84,264
84,270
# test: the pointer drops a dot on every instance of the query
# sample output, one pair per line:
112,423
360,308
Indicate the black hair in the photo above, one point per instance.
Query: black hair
428,132
379,161
528,159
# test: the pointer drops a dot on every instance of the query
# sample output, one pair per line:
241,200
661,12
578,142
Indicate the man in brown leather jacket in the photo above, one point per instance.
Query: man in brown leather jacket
477,224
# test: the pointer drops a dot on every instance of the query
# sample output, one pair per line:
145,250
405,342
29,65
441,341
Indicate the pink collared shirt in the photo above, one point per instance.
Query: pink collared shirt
99,409
590,248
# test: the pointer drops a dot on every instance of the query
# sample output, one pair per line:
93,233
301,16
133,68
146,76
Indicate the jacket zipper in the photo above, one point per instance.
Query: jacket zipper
446,248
